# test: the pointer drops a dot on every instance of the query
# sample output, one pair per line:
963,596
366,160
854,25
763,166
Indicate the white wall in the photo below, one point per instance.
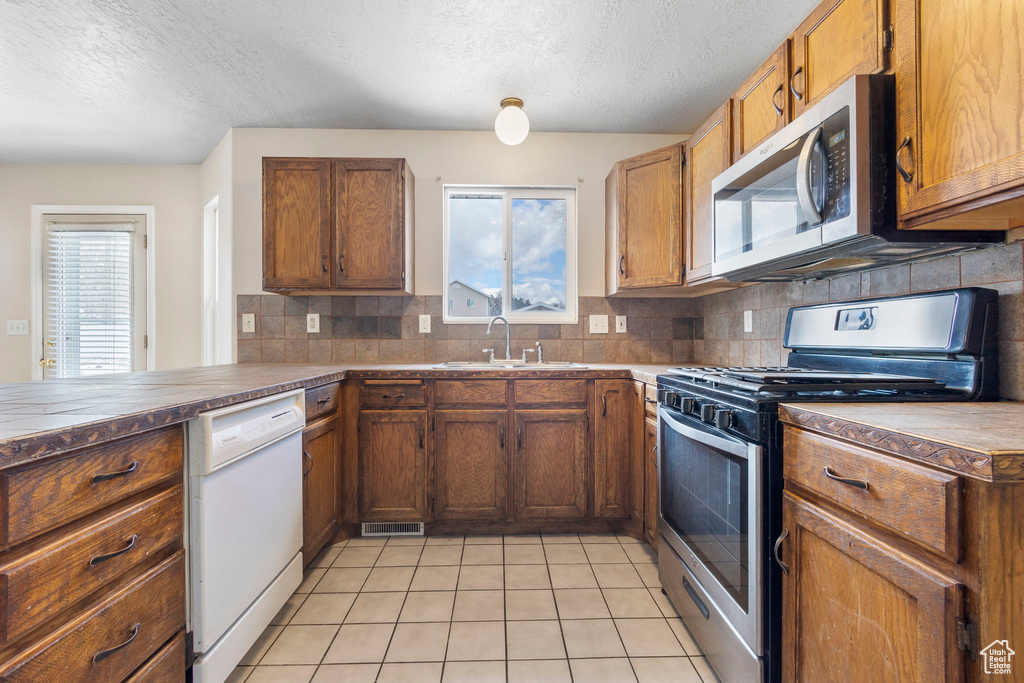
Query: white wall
215,182
172,190
438,157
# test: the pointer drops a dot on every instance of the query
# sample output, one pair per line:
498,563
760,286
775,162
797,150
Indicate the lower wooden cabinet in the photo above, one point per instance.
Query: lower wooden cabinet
550,464
651,481
393,465
470,464
320,448
613,413
856,609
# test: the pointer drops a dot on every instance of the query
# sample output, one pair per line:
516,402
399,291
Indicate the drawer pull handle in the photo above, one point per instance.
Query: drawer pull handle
501,438
392,395
321,401
650,400
792,88
100,559
778,110
778,542
604,406
907,177
696,599
310,459
114,475
103,654
855,483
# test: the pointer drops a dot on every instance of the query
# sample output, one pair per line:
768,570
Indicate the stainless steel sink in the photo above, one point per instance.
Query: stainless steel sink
507,365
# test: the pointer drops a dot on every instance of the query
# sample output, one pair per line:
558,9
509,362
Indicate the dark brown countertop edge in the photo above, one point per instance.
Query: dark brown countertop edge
977,464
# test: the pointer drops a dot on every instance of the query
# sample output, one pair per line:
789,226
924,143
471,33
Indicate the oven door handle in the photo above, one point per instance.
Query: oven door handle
803,178
736,447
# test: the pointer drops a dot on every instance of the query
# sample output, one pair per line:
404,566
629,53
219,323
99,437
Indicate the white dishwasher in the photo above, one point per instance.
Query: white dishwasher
245,525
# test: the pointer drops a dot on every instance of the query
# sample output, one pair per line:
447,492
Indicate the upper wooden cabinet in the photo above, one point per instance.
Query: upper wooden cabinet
838,40
708,153
960,103
337,224
644,221
760,106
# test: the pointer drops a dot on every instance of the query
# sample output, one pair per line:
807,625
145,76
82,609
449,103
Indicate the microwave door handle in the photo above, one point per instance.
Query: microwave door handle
803,178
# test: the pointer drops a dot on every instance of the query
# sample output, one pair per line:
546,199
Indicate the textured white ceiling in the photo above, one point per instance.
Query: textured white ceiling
161,81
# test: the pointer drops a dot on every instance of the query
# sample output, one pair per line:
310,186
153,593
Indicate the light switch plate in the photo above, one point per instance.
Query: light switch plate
17,327
425,324
748,321
620,323
598,324
248,322
312,323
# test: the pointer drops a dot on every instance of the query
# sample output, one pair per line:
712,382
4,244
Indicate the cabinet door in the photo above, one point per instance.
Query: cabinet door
709,153
959,107
761,105
650,219
470,467
369,224
651,481
613,409
320,451
855,609
838,40
550,464
296,223
393,465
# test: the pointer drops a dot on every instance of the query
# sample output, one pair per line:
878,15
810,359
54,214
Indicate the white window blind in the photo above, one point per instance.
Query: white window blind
93,311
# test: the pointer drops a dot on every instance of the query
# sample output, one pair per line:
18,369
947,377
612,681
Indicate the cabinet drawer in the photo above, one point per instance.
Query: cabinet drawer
321,401
651,398
918,503
394,395
540,391
113,637
472,392
166,666
45,496
38,584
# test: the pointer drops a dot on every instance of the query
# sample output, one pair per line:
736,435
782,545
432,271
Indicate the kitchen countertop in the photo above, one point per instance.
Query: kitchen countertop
45,418
981,440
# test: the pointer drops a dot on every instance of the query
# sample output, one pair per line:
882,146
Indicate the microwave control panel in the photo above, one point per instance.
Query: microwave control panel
835,135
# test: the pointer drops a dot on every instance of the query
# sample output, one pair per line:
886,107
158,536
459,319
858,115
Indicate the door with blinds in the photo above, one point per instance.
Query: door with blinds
94,295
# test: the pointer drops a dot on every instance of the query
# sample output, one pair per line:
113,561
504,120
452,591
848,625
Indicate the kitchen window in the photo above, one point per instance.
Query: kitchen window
510,251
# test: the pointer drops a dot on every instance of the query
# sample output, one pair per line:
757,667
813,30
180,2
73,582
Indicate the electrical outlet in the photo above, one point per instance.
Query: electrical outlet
599,324
248,322
620,323
748,321
312,323
17,327
425,324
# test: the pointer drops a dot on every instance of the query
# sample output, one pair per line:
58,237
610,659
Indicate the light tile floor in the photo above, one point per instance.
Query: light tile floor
530,608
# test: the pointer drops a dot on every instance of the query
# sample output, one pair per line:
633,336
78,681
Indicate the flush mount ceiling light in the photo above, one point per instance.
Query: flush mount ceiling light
512,125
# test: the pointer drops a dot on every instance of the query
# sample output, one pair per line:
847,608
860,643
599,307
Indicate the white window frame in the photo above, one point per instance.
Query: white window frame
36,272
570,194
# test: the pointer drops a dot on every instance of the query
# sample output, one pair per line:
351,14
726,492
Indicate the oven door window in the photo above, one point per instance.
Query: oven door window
705,499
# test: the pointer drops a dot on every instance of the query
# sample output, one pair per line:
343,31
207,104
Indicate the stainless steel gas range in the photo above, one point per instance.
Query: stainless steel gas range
720,450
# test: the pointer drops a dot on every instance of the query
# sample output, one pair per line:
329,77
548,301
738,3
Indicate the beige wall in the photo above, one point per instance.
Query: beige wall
172,190
438,157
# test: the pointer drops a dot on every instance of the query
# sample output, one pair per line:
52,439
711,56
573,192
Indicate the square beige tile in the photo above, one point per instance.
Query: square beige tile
342,580
591,638
406,540
435,579
360,643
572,576
604,553
414,642
526,576
367,541
474,672
530,605
291,606
707,674
557,539
479,606
437,555
624,539
684,637
617,670
534,640
358,557
260,647
239,674
485,540
326,557
282,674
640,553
631,603
522,539
648,638
524,554
300,645
324,608
565,553
648,574
428,606
483,577
581,603
483,554
376,608
421,672
599,538
399,556
665,670
539,671
389,579
667,609
346,673
310,578
445,540
476,640
617,576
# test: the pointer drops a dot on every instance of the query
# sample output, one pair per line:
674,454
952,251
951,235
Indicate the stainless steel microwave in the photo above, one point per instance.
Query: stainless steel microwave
818,198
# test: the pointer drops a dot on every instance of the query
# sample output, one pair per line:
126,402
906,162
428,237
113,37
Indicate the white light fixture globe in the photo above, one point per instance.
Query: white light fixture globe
512,125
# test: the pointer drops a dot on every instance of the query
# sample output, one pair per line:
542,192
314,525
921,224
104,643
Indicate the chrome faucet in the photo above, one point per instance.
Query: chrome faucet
508,335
